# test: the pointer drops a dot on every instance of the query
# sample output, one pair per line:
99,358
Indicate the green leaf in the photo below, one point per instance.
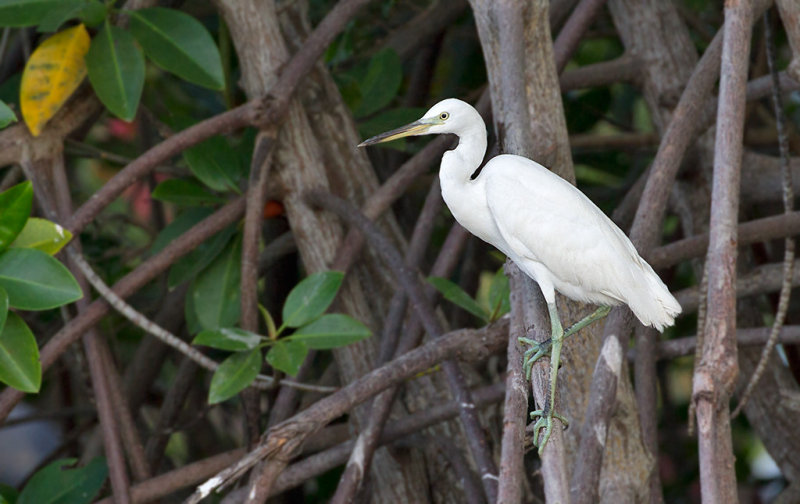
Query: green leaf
43,235
381,84
55,484
233,375
8,494
3,308
215,291
91,12
7,116
180,44
116,70
190,314
455,294
177,227
15,208
196,261
311,297
287,356
19,356
331,331
36,281
229,338
215,164
19,13
499,303
185,192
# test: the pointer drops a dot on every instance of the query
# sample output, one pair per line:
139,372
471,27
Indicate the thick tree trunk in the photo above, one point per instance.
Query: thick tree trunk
301,164
626,465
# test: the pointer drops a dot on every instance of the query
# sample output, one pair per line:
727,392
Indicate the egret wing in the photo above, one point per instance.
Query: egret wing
545,219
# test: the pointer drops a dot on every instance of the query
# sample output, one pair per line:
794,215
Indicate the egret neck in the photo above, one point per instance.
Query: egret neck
461,193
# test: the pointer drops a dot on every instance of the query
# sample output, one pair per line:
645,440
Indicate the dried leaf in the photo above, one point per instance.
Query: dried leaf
53,72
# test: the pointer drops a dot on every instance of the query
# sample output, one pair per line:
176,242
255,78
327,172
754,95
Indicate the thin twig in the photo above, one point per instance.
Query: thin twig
49,178
571,34
284,440
680,347
332,456
476,437
788,204
126,286
367,441
759,230
262,382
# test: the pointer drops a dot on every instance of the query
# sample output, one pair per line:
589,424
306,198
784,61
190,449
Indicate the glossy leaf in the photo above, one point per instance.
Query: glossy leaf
228,338
19,13
331,331
8,494
15,209
116,70
180,44
53,72
7,116
198,259
215,291
35,280
311,297
381,84
3,308
43,235
233,375
499,303
91,12
56,484
214,163
19,356
185,192
287,356
455,294
190,314
177,227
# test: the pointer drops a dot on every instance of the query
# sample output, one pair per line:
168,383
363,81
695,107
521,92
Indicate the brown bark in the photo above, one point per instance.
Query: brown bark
716,374
301,165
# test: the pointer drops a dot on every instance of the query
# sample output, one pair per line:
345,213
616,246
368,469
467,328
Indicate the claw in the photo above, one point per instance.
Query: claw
545,422
538,349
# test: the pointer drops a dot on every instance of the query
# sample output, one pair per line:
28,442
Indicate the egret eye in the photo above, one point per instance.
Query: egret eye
444,116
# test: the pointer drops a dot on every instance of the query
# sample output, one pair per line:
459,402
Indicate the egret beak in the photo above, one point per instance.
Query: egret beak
416,128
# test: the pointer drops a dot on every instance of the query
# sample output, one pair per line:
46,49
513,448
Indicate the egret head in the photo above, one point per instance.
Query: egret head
447,116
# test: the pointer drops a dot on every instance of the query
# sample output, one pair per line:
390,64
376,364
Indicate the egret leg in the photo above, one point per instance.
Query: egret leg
546,415
539,349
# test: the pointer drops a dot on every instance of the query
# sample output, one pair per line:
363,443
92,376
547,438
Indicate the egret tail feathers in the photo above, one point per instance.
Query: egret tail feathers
654,305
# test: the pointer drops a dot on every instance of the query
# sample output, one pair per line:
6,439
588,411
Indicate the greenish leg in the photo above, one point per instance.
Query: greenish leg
552,347
587,320
546,415
538,350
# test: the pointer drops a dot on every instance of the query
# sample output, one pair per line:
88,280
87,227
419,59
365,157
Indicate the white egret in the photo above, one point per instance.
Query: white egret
550,229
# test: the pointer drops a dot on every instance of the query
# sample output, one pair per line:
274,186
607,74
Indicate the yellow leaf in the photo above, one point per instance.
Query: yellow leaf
53,72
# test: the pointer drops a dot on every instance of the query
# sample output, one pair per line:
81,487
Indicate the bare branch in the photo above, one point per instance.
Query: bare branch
285,439
715,376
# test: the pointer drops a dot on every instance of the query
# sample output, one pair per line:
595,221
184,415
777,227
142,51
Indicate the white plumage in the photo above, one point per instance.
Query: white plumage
550,229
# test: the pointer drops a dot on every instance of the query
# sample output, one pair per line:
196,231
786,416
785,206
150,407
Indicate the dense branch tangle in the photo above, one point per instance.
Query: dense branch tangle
590,467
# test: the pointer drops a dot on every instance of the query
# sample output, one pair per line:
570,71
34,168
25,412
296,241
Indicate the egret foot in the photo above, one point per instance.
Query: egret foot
545,422
538,349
